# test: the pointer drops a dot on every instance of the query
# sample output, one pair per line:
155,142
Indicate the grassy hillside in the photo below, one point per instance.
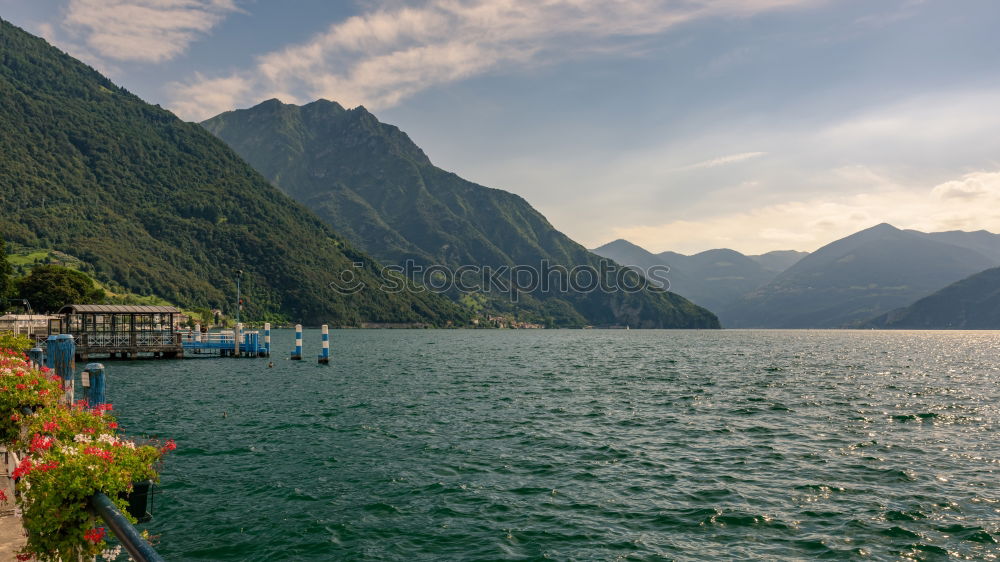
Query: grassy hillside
161,207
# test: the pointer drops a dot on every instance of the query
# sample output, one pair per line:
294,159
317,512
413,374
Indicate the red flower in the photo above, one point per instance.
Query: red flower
23,469
113,425
20,386
50,426
40,443
15,417
48,466
35,382
89,430
99,453
170,445
24,556
3,496
43,392
95,535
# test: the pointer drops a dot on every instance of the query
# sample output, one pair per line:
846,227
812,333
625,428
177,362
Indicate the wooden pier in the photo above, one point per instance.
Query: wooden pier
133,332
120,331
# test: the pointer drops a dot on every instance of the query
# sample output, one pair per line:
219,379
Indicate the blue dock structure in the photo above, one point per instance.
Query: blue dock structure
227,343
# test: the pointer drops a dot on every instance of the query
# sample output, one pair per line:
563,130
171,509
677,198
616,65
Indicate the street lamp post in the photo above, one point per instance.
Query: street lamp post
239,301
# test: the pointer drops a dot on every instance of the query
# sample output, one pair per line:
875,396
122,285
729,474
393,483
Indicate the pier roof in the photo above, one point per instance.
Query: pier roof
116,309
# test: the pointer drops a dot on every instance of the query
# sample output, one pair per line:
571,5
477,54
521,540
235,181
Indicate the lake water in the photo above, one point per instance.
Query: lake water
579,445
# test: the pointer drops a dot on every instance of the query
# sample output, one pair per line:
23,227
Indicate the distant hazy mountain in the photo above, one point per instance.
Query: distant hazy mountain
713,279
858,277
372,183
627,253
970,304
986,243
779,260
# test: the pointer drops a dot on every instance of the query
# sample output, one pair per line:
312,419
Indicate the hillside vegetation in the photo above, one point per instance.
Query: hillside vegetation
369,181
161,207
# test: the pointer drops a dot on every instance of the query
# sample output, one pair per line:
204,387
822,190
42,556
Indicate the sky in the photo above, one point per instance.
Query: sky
679,125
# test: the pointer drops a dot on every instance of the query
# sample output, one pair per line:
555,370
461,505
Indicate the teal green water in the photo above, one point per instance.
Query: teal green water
580,445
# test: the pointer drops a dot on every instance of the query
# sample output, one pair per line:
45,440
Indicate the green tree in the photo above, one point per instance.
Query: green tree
6,274
49,287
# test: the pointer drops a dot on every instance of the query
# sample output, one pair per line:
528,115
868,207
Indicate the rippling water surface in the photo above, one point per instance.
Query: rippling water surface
580,445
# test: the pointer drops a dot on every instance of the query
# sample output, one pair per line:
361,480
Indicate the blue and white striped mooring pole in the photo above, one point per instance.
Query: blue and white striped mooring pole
324,356
94,383
237,339
267,339
297,354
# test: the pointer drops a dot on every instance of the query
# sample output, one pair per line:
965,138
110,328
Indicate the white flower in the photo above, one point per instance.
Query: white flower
81,438
105,438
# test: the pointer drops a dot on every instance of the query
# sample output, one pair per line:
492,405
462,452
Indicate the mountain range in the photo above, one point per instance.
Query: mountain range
714,278
371,182
970,304
868,279
864,275
161,207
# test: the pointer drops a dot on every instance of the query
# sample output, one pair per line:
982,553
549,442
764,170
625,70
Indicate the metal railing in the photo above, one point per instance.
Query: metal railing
138,547
126,533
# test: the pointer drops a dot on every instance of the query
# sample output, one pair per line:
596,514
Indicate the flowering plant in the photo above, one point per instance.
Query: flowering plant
70,453
20,386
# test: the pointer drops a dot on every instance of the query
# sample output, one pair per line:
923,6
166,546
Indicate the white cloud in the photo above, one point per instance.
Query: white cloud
209,95
382,56
141,30
723,160
971,202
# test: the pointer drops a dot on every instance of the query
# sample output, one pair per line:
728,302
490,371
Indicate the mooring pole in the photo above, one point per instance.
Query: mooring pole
197,333
297,354
94,382
238,338
62,358
324,356
267,339
37,356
